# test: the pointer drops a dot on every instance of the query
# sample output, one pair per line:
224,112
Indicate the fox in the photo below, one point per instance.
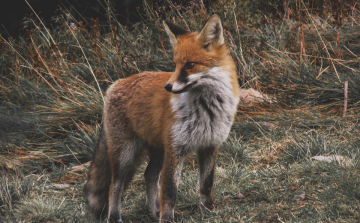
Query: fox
166,115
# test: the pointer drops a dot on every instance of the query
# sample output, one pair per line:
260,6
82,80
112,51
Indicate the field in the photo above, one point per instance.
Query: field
292,155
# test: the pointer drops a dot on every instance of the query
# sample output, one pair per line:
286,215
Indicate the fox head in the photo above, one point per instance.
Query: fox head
195,54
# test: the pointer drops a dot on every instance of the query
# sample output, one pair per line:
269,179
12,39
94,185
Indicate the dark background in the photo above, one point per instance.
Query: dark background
12,13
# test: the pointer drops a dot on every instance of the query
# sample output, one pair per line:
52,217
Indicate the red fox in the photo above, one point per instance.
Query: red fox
194,112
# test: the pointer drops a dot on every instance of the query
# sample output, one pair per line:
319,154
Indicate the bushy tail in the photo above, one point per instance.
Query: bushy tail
98,184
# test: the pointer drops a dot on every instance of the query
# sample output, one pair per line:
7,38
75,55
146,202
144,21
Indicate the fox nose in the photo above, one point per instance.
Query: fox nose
168,87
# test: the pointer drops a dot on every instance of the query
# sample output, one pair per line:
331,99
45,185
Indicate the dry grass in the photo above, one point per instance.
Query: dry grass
51,104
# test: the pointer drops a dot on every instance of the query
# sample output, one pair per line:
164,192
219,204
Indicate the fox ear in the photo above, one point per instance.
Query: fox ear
173,31
212,33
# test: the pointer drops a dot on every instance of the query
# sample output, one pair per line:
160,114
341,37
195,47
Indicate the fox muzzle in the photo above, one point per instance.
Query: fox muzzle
168,87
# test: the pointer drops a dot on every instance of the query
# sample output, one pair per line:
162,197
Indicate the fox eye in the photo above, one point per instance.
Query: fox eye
189,65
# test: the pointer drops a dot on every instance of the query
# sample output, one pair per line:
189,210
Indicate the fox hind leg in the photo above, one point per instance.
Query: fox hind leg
122,170
152,175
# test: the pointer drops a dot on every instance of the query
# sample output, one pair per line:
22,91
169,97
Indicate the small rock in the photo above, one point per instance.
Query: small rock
59,186
239,196
36,152
252,95
328,158
268,124
299,197
72,26
34,177
226,193
80,168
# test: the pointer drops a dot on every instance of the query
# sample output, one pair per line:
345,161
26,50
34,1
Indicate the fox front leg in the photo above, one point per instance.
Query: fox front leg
207,162
169,183
152,175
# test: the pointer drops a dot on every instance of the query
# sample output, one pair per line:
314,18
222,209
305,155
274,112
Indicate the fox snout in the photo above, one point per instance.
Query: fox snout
179,81
168,87
179,87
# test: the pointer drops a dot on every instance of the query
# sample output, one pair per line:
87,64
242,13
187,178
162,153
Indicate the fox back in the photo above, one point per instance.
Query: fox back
194,112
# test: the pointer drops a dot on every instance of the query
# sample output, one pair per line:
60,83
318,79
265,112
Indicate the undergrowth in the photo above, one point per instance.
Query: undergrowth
51,98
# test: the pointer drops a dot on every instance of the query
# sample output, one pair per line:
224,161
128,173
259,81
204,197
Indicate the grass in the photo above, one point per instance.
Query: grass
51,108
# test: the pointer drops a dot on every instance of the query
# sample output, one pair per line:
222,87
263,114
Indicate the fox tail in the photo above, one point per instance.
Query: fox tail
99,179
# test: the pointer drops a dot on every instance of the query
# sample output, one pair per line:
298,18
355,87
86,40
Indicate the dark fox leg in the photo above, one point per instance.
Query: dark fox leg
152,175
207,161
97,186
129,176
123,159
169,183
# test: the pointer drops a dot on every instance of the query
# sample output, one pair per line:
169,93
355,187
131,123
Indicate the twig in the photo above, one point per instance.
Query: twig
174,7
345,98
338,61
302,47
233,48
8,43
74,154
322,41
350,52
202,4
338,42
240,45
87,61
43,61
322,71
61,55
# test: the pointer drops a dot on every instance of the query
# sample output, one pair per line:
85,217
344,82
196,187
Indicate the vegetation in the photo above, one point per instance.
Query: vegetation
291,158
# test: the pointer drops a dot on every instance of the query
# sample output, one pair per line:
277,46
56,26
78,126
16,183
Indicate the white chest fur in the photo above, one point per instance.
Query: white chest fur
205,113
